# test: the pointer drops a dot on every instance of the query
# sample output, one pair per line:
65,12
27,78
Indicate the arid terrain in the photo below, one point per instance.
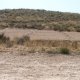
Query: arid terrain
41,34
39,45
19,64
38,66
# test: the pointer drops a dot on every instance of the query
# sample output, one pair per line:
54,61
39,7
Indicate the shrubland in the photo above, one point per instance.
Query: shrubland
39,19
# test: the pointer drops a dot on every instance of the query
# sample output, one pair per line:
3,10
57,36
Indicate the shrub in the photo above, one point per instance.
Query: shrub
60,27
64,51
32,51
22,40
77,28
43,49
4,39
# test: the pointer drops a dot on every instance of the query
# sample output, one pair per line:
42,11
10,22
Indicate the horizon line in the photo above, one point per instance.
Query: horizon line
40,9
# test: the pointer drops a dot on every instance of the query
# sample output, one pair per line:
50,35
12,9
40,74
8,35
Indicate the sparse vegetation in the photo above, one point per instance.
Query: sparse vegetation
22,40
39,19
59,51
32,50
51,52
64,51
3,39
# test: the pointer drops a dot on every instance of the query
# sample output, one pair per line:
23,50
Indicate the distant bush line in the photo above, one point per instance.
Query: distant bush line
39,19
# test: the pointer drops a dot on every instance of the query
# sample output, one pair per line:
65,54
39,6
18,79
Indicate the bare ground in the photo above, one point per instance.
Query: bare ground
41,34
38,66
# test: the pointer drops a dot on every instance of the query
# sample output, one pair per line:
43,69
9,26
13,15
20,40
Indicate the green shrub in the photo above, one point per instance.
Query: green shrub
64,51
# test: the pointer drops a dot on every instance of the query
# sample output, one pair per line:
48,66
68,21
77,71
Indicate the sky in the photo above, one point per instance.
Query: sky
53,5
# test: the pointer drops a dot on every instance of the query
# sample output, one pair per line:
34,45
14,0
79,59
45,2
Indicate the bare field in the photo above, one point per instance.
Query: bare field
38,66
41,34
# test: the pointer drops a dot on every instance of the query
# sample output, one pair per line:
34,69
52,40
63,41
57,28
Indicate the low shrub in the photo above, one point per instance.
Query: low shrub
77,29
3,39
22,40
64,51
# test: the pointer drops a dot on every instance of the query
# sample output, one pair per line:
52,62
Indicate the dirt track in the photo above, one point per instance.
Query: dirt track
41,34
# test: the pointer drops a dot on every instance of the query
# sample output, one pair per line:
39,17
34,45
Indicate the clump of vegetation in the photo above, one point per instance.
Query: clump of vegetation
4,39
32,51
53,51
22,40
64,51
77,28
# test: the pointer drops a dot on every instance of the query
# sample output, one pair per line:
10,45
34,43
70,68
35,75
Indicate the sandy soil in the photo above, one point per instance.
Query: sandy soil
41,34
38,66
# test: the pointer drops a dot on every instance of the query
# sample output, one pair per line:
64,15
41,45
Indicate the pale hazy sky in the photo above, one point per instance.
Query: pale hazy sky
55,5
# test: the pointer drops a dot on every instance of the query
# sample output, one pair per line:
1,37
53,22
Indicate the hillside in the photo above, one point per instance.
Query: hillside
32,46
39,19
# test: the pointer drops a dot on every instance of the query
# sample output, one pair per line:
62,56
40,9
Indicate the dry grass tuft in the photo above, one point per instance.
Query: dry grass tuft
5,41
22,40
